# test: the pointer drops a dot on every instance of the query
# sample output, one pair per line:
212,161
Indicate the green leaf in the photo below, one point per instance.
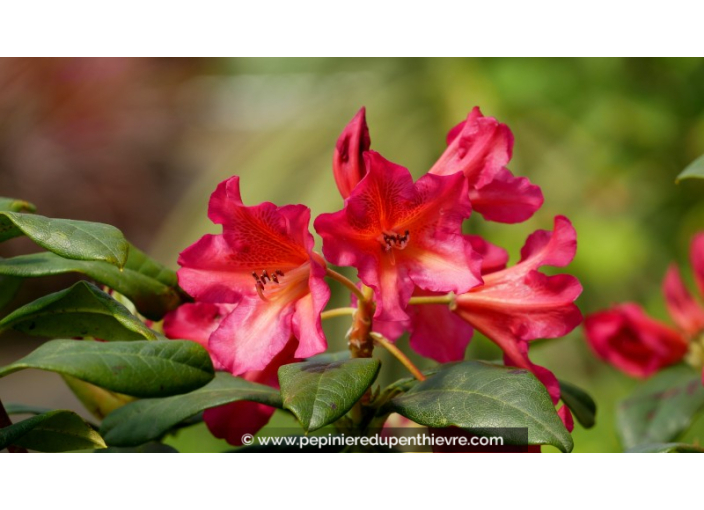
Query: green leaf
55,431
320,393
80,311
98,401
141,263
662,408
9,285
153,447
146,368
483,397
694,170
666,448
151,297
71,239
16,205
13,408
579,402
149,419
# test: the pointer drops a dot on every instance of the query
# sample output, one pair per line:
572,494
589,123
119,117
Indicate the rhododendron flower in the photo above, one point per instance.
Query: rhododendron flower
627,338
197,321
400,235
519,304
263,264
639,345
480,147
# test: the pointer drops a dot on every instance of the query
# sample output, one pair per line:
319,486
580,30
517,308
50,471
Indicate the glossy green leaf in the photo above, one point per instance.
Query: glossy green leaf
662,408
580,403
146,368
9,285
320,393
151,297
16,205
141,263
145,420
72,239
55,431
152,447
483,397
666,448
79,311
694,170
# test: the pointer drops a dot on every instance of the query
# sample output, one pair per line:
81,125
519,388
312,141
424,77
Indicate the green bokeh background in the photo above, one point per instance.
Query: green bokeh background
604,138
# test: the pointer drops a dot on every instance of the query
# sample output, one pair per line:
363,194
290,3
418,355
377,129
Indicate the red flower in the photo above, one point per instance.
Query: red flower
400,235
264,266
639,345
480,147
519,304
633,342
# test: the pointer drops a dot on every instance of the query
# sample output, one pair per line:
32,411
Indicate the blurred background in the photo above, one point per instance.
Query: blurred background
141,144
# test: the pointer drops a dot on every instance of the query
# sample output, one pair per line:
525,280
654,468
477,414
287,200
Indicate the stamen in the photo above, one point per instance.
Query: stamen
265,278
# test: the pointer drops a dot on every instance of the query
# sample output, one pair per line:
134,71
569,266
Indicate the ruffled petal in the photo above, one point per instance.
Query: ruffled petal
348,161
566,417
307,325
479,149
494,258
507,199
684,310
627,338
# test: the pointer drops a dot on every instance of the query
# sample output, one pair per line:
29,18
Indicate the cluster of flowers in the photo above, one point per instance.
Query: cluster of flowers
259,288
639,345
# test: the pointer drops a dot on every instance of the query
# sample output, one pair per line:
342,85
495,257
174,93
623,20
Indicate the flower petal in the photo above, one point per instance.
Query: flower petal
684,310
307,325
697,257
506,199
348,161
438,334
479,150
627,338
494,258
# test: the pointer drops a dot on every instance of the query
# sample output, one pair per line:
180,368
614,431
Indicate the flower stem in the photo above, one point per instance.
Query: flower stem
338,312
346,282
6,422
448,299
383,342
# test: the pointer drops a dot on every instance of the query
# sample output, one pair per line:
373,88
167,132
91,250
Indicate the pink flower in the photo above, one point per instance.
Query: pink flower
639,345
348,161
400,235
263,265
627,338
519,304
197,321
480,147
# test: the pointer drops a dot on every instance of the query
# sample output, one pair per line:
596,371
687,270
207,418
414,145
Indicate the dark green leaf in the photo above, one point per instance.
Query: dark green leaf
141,263
145,420
662,408
141,368
9,285
55,431
153,447
80,311
12,408
151,297
320,393
71,239
483,397
579,402
666,448
330,357
694,170
16,205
